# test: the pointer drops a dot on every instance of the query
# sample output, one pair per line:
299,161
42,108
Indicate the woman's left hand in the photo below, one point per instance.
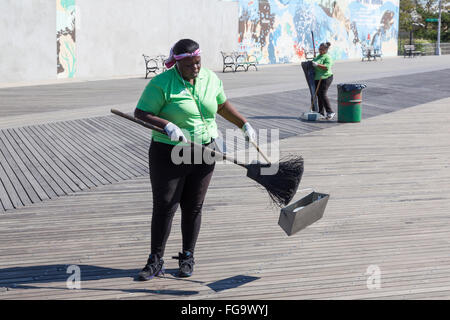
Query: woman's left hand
249,132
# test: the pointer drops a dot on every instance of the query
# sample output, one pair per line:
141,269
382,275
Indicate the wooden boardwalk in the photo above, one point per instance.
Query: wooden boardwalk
44,161
388,178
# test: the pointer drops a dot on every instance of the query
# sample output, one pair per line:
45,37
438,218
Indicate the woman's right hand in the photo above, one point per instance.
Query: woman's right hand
174,132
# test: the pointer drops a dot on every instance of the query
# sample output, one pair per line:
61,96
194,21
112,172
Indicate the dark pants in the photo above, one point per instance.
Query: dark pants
173,185
324,102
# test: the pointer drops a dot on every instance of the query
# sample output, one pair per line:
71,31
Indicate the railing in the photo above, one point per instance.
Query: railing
428,49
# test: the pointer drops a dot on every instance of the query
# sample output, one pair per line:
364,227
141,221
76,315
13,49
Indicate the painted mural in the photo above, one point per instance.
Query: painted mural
65,38
281,31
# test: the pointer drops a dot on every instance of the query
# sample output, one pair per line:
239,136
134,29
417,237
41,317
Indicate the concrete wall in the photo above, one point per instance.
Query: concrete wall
27,40
112,35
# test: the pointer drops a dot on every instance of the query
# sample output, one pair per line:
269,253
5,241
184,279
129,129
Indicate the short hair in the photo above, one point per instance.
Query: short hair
185,46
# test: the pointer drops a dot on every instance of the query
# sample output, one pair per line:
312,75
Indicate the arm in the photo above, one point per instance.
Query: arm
325,65
173,131
150,118
230,113
327,62
320,66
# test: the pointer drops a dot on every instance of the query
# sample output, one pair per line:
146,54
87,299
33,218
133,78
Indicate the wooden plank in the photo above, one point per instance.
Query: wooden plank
34,190
40,164
102,148
65,155
4,197
120,159
382,211
125,139
61,179
16,177
8,180
60,161
75,154
90,155
133,132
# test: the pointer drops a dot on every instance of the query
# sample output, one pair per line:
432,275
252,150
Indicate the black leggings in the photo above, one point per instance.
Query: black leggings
174,185
324,102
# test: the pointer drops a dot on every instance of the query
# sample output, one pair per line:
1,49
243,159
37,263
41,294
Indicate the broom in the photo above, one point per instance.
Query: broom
312,115
281,186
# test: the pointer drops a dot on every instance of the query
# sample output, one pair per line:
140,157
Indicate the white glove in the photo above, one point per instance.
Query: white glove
315,64
174,132
249,132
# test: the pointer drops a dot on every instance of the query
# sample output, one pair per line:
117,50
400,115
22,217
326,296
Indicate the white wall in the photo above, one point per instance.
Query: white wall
27,40
112,35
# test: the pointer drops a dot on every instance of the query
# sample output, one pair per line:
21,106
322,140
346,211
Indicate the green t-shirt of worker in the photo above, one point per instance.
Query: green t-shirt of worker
326,60
170,97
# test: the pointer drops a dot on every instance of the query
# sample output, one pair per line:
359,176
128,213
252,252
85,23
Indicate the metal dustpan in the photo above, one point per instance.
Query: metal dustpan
303,212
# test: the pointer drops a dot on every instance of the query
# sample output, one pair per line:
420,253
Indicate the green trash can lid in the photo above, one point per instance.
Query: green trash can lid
351,86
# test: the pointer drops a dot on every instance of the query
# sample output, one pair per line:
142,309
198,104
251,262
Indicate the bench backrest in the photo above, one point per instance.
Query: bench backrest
227,54
150,62
409,47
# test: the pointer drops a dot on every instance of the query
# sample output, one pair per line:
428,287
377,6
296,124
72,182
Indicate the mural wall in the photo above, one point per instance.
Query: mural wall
280,31
65,38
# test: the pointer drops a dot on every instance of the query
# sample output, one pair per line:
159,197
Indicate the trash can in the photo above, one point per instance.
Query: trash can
349,102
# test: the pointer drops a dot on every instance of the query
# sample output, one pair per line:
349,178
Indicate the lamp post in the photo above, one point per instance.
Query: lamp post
438,43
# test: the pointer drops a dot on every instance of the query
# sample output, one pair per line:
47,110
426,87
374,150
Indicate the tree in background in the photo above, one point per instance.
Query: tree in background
413,15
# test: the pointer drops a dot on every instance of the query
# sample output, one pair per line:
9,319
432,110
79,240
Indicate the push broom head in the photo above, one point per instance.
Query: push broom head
310,116
282,185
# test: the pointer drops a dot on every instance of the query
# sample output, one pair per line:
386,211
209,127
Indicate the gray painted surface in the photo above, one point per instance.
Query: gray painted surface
27,40
111,35
92,95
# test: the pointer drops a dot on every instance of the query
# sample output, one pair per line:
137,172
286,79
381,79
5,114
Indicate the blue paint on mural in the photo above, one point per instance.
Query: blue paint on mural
278,31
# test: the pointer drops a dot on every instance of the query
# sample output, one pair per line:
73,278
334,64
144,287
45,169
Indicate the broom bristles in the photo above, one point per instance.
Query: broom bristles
281,186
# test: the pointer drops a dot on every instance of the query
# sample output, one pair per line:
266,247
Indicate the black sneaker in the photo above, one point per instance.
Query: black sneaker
153,268
185,263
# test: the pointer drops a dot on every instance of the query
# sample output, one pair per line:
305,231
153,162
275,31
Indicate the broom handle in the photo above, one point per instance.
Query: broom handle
158,129
315,94
259,150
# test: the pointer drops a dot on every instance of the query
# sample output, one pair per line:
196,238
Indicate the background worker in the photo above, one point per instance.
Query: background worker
184,102
322,67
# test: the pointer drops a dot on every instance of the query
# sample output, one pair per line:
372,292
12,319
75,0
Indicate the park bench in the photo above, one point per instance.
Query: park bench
369,52
151,65
235,60
154,64
228,60
377,54
410,51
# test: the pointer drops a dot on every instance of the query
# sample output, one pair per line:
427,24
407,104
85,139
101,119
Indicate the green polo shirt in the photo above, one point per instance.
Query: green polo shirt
166,96
327,61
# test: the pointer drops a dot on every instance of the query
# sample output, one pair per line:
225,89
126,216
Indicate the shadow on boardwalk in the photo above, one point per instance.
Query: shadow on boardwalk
31,277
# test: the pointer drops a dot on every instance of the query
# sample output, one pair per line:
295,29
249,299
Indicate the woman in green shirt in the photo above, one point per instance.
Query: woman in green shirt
322,67
184,102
